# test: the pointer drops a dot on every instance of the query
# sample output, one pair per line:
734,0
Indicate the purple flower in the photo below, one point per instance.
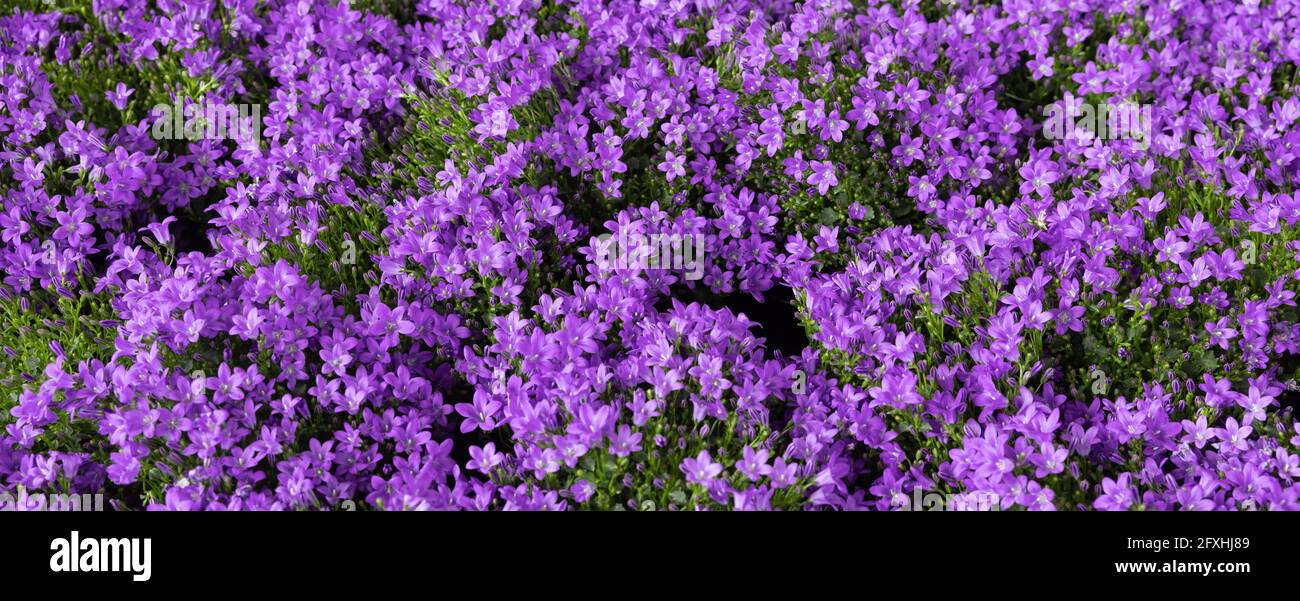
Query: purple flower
701,469
118,96
1117,495
753,463
481,415
823,176
582,491
484,459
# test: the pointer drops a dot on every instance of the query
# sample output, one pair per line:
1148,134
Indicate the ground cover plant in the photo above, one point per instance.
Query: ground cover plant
650,254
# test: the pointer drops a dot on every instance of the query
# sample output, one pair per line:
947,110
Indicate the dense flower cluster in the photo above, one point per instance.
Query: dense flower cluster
398,293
